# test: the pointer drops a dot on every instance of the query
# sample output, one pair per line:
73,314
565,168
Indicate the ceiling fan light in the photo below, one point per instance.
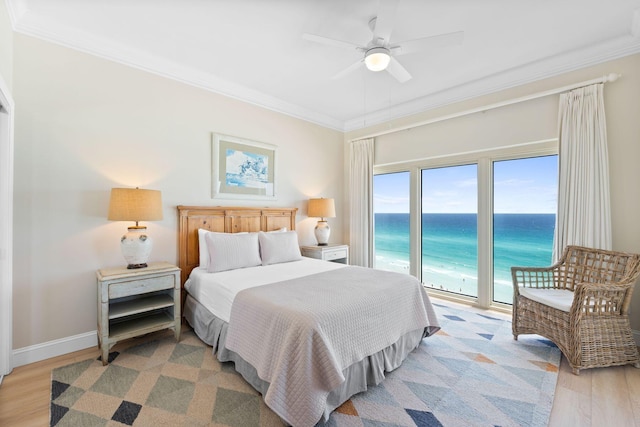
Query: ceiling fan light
377,58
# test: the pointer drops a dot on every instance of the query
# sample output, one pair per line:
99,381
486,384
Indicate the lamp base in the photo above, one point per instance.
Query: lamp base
136,247
322,232
134,266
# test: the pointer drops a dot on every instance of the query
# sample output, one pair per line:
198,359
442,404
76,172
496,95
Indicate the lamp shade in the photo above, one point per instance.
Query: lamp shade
134,204
322,208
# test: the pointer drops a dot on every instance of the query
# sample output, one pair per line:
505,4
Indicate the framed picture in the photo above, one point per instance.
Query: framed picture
242,169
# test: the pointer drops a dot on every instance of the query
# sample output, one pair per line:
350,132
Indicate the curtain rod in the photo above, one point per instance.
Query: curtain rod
612,77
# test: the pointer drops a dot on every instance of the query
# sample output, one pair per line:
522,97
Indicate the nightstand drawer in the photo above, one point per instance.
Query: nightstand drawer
140,286
335,254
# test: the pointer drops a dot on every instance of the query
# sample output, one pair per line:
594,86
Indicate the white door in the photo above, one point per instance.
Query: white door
6,229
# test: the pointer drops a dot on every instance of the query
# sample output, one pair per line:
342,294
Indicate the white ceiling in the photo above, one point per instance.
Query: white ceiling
253,50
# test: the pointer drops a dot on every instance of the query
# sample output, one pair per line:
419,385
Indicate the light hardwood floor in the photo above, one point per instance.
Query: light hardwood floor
607,397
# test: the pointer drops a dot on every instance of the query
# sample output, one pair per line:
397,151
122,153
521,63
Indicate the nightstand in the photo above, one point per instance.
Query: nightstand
136,302
331,252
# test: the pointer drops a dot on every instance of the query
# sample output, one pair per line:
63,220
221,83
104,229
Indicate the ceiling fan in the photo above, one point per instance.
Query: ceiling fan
380,52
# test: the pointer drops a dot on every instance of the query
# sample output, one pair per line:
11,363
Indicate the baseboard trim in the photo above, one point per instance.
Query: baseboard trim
47,350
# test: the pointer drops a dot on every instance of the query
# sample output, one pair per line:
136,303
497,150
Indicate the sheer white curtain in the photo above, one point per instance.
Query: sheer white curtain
361,202
584,213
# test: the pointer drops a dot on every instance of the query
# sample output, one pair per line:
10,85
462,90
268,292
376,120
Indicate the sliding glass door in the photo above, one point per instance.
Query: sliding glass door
450,229
525,195
391,221
459,224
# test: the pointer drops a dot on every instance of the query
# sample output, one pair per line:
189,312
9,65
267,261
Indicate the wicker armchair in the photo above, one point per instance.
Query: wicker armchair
581,303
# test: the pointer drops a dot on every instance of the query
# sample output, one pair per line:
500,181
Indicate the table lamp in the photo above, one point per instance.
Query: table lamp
134,204
322,208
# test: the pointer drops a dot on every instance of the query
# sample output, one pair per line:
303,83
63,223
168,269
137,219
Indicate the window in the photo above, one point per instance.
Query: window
525,196
477,215
450,229
391,221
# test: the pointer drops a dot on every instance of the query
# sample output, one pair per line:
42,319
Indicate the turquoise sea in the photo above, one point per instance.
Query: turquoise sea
449,248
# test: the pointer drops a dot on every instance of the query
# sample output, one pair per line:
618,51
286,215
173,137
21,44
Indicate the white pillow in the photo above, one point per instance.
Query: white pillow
279,247
229,251
203,250
279,230
202,247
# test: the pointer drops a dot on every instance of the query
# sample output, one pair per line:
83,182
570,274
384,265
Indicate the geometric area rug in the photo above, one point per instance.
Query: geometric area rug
471,373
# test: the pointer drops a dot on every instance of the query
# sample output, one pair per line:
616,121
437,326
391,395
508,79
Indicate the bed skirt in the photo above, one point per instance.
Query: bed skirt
368,372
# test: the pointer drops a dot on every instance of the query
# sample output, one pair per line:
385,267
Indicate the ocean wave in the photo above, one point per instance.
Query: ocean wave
429,269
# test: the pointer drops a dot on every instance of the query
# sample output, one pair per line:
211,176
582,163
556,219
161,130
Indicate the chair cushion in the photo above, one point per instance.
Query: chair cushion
560,299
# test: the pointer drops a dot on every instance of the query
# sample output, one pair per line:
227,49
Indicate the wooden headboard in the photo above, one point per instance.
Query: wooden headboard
224,219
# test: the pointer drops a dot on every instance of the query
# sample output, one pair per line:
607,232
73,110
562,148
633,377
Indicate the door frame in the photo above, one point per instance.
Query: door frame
7,110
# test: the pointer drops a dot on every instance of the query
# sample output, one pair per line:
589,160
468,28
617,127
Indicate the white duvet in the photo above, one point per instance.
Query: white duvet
216,291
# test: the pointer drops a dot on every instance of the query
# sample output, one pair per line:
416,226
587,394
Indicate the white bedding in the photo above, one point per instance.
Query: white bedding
216,291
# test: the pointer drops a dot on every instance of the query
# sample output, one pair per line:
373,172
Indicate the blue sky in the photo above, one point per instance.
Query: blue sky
521,186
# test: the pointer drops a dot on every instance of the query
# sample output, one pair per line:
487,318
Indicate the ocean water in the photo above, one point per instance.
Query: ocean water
449,248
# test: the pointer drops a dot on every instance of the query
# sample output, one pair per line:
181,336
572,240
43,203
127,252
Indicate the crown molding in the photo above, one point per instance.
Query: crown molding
16,9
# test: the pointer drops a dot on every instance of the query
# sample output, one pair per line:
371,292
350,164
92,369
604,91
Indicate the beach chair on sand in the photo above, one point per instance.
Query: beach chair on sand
581,303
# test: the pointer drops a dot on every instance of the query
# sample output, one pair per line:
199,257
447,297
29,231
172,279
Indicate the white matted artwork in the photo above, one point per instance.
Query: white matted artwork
242,169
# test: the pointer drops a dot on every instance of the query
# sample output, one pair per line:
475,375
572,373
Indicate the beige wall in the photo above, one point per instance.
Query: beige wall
6,46
534,121
85,125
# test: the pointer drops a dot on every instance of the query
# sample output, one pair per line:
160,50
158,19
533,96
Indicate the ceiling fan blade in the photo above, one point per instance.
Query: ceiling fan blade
330,42
385,21
398,71
348,70
441,40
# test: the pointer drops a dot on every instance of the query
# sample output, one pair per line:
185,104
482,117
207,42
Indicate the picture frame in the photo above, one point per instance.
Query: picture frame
242,168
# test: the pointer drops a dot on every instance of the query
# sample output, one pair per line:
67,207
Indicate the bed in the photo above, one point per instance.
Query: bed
306,334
